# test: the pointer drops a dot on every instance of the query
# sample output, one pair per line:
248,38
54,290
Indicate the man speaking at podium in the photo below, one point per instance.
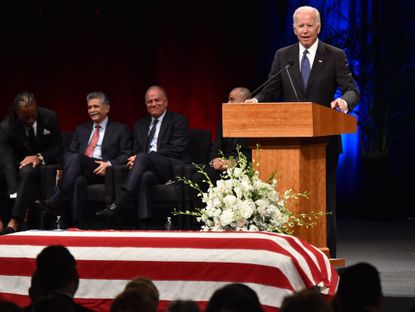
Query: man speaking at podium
312,71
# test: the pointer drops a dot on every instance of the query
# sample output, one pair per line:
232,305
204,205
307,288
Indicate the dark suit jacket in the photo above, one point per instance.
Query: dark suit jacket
116,145
172,139
14,143
228,146
329,72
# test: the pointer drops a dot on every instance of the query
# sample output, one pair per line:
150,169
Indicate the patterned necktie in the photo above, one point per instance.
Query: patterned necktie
32,139
93,143
151,133
305,68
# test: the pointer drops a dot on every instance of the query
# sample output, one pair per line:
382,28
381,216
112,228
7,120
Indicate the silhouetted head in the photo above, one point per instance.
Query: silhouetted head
359,287
146,285
133,300
56,268
234,297
307,300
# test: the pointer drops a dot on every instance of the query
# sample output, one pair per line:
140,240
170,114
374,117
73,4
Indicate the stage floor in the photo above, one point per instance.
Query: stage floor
390,246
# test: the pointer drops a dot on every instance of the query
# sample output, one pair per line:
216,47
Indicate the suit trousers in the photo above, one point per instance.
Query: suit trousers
78,172
148,169
28,187
11,176
78,165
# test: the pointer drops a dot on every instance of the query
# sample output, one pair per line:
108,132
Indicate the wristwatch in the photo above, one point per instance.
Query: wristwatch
42,160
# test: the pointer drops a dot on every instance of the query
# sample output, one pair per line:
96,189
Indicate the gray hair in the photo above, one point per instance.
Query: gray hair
161,89
98,95
307,8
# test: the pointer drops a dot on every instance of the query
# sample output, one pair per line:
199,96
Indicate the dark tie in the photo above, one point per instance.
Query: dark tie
305,68
32,139
151,133
93,143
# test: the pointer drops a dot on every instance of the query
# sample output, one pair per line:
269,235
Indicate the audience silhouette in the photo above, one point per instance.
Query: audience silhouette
58,274
359,289
183,306
307,300
134,300
145,285
234,297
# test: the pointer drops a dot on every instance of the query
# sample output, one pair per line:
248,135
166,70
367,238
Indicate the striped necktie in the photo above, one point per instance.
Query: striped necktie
151,133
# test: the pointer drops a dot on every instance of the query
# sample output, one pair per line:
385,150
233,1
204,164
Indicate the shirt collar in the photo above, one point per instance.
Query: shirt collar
159,118
312,50
102,124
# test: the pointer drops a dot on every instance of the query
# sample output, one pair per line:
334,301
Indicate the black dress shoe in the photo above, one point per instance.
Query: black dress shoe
142,225
9,230
108,212
49,206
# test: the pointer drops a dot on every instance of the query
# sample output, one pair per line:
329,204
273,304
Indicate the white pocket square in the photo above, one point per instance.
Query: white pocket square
46,132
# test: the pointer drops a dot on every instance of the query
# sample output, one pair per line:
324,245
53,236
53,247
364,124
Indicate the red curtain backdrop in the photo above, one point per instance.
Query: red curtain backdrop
61,52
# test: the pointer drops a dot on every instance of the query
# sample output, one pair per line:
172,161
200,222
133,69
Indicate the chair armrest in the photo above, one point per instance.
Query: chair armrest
178,171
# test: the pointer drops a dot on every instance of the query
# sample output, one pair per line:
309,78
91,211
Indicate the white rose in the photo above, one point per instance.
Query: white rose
226,217
220,186
237,172
262,211
229,201
238,192
247,209
246,186
262,203
216,202
253,227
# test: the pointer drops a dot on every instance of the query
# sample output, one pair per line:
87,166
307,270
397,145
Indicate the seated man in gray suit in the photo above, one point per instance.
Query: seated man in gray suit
160,141
95,145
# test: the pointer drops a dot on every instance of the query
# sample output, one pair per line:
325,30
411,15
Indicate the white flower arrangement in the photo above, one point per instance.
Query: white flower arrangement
241,201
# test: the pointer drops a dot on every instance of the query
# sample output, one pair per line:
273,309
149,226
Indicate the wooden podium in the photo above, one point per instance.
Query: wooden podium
292,138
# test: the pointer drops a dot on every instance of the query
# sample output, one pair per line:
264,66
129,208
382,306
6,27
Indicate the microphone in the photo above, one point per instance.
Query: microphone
291,81
289,64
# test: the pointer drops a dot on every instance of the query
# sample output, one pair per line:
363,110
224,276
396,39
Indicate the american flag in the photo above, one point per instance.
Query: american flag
182,264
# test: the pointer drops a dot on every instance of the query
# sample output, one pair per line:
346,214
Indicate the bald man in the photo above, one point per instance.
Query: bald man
222,149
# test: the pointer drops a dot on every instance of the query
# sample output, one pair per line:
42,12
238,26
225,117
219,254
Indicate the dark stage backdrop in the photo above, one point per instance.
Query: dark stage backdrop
61,50
198,50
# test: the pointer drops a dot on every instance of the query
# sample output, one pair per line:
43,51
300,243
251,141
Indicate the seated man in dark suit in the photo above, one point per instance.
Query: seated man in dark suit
95,145
160,141
29,138
222,149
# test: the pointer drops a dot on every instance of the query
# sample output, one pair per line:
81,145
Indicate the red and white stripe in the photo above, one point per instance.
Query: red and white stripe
183,265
